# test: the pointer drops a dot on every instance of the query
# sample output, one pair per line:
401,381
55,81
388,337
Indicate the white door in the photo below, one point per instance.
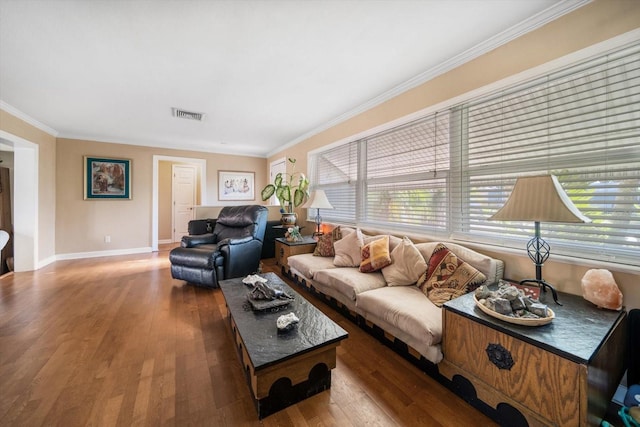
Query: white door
277,166
183,191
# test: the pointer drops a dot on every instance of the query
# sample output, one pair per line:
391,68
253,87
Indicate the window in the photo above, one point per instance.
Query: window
336,172
405,180
447,173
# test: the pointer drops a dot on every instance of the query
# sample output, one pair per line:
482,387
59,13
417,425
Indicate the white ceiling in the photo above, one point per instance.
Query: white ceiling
265,72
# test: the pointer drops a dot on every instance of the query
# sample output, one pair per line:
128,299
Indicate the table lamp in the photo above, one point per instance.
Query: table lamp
318,200
539,199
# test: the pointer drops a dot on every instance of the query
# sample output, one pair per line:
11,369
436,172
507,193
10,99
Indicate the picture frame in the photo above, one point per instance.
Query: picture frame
107,178
236,185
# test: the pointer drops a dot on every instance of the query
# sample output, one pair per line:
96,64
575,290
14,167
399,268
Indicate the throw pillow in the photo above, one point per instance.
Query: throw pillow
324,247
393,240
375,255
325,243
449,277
348,250
407,265
336,233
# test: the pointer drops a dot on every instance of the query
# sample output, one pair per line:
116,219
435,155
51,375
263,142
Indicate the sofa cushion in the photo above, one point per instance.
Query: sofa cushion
407,265
350,282
348,250
345,230
308,264
449,276
375,255
416,320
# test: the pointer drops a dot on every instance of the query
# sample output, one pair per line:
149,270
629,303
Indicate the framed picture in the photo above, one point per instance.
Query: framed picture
233,185
107,178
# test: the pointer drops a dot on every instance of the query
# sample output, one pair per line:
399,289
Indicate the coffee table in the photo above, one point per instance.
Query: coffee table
281,368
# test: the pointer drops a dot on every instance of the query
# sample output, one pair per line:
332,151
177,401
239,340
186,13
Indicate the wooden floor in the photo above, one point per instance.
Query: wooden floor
117,341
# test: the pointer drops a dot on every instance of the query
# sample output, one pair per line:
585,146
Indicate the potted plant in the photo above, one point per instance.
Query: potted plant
291,190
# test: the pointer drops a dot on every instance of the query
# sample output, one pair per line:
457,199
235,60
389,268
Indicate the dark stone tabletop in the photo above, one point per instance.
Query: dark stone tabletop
576,333
264,344
306,240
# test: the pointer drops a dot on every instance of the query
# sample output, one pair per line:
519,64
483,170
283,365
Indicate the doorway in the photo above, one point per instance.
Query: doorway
162,190
183,190
25,201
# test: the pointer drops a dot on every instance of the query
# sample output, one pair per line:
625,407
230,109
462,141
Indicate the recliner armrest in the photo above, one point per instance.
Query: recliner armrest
232,241
200,239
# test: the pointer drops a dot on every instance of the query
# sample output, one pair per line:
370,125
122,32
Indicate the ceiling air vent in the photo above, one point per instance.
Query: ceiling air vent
190,115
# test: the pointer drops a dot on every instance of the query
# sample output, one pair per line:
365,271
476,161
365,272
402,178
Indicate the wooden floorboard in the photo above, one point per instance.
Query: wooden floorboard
115,341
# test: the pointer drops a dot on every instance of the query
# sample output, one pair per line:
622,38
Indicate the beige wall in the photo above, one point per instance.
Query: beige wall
591,24
82,224
46,146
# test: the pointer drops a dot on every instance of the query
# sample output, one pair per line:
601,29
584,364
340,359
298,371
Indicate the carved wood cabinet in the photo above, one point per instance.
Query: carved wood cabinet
563,373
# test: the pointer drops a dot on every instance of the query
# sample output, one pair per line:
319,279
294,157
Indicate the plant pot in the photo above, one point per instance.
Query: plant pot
289,219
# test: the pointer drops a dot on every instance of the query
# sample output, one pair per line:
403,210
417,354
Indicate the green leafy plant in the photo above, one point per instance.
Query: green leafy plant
291,189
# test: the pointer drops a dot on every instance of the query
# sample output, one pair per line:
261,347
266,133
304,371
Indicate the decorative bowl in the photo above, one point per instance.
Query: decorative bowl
517,320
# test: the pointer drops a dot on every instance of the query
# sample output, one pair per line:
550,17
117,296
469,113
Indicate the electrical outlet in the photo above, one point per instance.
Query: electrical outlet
107,239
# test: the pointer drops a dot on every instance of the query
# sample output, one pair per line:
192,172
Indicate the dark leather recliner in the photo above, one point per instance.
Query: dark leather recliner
227,247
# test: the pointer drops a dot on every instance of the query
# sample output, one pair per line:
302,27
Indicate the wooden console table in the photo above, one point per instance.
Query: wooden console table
563,373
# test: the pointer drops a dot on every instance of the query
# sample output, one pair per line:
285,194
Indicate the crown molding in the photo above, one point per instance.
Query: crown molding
26,118
554,12
197,146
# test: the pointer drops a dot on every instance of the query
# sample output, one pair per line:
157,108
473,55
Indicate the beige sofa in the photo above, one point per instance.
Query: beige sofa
402,312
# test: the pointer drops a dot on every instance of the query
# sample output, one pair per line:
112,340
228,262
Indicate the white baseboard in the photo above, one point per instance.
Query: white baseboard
97,254
45,262
164,241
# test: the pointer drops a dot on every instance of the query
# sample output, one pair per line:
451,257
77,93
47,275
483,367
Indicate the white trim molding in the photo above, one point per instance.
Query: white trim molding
25,117
96,254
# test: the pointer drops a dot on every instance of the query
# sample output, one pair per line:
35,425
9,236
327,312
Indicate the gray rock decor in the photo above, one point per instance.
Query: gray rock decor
508,300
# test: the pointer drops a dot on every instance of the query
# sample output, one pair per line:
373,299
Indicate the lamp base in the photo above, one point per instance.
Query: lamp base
318,231
544,285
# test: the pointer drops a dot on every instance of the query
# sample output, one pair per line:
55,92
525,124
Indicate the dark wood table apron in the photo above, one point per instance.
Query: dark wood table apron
281,368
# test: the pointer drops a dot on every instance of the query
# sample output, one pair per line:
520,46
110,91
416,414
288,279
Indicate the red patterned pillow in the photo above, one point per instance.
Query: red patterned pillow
324,247
449,277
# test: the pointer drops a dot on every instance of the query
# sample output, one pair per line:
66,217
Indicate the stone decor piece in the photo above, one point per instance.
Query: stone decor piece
599,288
287,322
510,304
264,296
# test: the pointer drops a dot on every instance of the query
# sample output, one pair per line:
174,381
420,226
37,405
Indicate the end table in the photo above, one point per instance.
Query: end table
285,249
563,373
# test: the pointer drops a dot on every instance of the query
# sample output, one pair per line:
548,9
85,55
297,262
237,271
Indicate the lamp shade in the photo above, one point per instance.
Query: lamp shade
540,199
318,200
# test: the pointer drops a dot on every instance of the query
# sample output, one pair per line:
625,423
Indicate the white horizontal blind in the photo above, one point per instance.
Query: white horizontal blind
581,124
406,174
448,173
336,172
